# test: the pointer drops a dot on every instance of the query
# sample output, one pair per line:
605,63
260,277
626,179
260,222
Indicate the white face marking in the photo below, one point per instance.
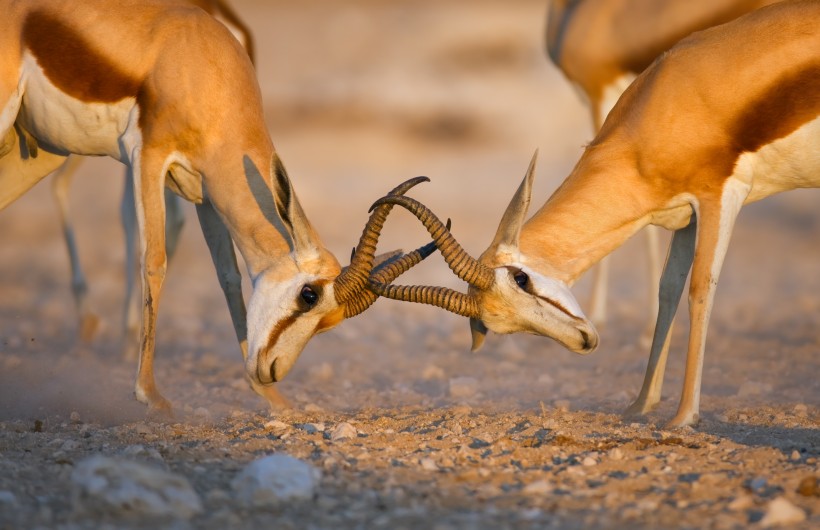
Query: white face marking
274,304
544,307
554,290
67,124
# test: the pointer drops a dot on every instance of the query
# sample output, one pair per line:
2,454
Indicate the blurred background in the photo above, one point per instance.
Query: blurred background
361,95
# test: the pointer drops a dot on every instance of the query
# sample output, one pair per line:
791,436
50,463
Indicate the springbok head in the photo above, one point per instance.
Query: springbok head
505,295
311,293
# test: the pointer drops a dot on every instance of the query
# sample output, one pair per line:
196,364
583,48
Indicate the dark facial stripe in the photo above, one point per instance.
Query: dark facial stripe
273,338
72,64
558,306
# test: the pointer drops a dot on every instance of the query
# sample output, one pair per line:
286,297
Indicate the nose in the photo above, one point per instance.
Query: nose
266,374
590,338
273,371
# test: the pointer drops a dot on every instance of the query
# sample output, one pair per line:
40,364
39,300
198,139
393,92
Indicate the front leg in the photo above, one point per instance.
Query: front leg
716,219
678,263
149,181
220,245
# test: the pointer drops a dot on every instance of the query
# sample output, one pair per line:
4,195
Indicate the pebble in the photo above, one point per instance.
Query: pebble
589,462
757,484
539,487
276,478
616,453
782,512
801,409
809,487
276,425
202,413
119,486
74,417
7,498
428,464
312,428
741,503
343,431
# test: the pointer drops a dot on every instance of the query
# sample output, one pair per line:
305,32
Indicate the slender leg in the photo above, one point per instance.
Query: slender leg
222,253
678,263
60,183
715,222
130,318
597,302
174,221
654,270
149,182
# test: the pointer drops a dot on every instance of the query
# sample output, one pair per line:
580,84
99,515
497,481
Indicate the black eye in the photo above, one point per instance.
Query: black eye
521,278
309,296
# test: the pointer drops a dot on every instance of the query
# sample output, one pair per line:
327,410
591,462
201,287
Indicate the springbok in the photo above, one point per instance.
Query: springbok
728,116
174,218
166,89
600,46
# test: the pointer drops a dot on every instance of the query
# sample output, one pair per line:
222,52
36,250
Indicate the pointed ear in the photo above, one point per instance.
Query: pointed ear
479,332
509,229
302,238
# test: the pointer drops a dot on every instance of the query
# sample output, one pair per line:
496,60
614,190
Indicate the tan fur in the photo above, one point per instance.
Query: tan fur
600,46
199,107
672,146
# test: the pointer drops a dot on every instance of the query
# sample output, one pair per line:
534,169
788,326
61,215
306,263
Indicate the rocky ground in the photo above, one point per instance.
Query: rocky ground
394,423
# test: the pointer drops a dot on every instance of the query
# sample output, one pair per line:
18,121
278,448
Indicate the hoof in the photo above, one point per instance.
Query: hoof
639,409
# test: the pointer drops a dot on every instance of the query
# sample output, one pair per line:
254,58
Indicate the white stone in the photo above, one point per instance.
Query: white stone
7,498
276,478
114,485
589,461
782,512
343,431
276,425
428,464
539,487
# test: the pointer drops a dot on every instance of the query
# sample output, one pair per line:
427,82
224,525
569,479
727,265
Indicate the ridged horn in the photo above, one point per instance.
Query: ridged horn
460,262
443,297
350,287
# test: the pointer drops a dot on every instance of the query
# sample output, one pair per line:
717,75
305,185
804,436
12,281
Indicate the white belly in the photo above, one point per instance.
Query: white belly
785,164
69,125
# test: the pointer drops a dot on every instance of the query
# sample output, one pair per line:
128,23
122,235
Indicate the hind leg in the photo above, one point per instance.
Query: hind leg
60,183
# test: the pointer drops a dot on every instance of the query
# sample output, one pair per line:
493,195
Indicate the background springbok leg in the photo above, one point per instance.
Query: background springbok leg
223,255
678,264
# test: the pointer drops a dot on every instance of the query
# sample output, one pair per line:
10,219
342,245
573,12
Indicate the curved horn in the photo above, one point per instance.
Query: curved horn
351,283
460,262
443,297
385,273
448,299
